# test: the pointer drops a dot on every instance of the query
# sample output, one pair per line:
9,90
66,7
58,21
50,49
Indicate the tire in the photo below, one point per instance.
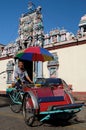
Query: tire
16,101
28,110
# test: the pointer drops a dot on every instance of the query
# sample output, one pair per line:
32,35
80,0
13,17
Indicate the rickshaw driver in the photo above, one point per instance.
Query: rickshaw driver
21,76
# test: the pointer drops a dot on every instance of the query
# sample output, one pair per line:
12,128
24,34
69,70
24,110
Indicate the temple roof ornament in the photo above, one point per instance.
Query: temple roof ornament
31,6
82,21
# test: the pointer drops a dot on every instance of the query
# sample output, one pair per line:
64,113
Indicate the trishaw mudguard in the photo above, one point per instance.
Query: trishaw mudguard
34,99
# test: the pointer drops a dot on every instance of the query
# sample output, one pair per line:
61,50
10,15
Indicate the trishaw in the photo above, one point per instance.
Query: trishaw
46,99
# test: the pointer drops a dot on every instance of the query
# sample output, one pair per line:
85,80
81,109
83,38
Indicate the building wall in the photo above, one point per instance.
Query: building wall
3,76
72,66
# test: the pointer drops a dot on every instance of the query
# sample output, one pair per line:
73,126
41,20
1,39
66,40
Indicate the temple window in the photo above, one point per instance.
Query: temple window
47,41
53,66
54,38
63,37
10,68
58,38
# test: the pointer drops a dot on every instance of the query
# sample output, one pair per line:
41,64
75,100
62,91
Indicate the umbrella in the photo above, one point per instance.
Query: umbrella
35,54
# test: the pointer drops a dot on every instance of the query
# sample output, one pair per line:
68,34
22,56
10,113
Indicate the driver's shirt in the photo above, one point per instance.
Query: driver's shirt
20,74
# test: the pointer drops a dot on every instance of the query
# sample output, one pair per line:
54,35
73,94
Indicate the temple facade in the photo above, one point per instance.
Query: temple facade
68,49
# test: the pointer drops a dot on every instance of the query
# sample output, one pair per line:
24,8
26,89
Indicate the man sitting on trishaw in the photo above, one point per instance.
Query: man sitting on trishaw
21,77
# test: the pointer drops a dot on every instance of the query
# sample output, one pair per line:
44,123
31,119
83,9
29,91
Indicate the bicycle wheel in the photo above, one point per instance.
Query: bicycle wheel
16,101
28,110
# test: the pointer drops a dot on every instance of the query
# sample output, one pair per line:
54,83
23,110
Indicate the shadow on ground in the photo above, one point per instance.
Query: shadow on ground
54,123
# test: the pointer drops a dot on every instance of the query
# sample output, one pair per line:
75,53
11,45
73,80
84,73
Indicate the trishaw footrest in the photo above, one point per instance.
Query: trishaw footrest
68,106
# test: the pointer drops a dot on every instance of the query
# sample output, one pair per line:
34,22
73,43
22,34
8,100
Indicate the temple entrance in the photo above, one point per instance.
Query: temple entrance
29,68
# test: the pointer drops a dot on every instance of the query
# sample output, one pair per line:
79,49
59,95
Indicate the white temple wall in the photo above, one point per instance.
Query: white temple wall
72,66
3,76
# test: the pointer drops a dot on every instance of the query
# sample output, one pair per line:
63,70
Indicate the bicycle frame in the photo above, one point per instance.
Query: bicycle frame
15,96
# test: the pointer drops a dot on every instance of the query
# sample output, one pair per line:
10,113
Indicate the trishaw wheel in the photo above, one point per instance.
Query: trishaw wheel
16,101
28,110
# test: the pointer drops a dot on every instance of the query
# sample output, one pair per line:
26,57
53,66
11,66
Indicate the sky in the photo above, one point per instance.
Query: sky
56,14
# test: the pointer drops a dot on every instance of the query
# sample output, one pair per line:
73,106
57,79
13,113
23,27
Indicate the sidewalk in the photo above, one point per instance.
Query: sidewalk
81,96
4,101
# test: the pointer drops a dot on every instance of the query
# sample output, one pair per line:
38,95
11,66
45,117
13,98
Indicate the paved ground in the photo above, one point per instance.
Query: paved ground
12,121
4,101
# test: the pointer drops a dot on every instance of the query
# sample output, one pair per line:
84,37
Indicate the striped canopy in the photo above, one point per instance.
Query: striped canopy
35,54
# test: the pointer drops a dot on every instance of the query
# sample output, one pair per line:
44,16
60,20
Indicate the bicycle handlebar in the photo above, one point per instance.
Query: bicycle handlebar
28,85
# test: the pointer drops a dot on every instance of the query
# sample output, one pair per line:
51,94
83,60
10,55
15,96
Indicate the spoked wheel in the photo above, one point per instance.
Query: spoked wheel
28,110
16,101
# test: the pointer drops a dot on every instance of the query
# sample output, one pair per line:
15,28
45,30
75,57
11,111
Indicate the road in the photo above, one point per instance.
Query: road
13,121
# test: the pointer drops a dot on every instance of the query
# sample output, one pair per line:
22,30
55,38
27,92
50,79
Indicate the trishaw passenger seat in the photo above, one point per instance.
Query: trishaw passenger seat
58,92
44,92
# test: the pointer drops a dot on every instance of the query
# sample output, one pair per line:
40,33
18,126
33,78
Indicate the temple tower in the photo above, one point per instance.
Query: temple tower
31,28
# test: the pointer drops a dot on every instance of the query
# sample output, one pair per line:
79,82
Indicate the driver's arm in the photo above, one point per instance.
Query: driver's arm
28,78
